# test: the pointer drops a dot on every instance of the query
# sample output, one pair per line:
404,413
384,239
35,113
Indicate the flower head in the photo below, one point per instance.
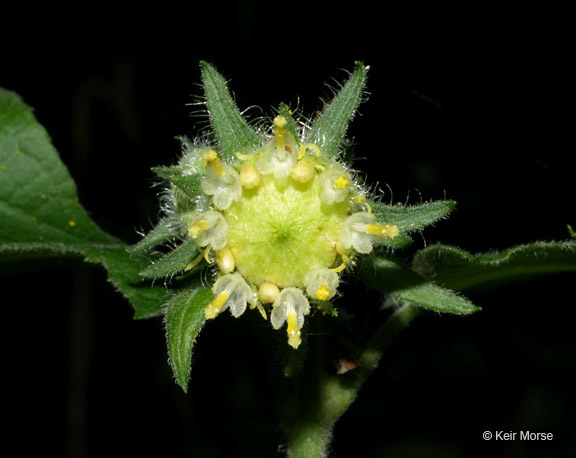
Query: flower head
283,213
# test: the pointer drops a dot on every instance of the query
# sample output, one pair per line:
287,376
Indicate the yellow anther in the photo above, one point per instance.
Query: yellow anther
323,292
301,151
197,228
213,161
214,308
293,330
279,131
225,260
249,176
303,171
382,230
341,182
268,292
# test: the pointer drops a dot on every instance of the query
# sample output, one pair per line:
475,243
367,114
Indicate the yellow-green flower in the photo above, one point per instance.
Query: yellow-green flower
276,213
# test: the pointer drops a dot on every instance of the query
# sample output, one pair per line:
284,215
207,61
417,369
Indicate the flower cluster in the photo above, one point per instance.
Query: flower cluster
280,223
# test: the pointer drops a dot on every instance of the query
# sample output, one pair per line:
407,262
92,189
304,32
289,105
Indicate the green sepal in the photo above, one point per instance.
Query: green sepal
184,318
329,128
286,113
390,276
411,218
163,232
188,184
174,262
459,270
232,131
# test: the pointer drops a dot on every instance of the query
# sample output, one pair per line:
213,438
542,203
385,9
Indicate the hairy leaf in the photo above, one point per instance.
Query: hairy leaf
41,216
388,275
184,318
39,207
460,270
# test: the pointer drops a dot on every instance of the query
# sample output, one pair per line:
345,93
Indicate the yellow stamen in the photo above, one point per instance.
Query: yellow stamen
362,199
214,308
340,268
383,230
197,228
207,254
194,263
323,292
314,148
301,151
279,131
293,330
341,182
213,161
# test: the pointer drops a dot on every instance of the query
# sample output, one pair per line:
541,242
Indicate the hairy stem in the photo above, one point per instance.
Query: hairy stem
318,399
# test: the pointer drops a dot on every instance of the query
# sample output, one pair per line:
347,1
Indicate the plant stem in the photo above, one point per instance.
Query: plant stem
318,399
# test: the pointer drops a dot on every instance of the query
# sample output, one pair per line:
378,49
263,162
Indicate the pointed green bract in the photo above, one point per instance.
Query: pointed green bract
390,276
232,131
189,184
184,318
178,260
461,270
329,129
411,218
163,232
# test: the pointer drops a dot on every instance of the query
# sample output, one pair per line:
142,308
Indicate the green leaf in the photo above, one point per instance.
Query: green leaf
184,318
232,131
42,218
39,207
411,218
123,272
175,261
189,184
329,129
388,275
459,270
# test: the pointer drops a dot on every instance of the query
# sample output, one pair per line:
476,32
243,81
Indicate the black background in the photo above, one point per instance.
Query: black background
473,105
